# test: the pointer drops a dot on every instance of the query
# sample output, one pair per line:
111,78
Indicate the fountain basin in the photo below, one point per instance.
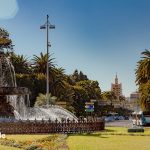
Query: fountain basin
14,91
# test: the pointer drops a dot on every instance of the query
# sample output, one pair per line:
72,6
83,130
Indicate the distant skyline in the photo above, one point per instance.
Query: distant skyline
98,37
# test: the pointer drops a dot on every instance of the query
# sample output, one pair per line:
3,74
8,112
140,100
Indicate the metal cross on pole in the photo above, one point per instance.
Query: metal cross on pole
47,26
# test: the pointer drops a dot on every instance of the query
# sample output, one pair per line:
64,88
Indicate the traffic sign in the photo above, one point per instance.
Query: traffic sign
89,110
89,106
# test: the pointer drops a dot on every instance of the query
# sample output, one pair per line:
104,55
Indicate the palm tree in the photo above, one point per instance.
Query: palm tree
56,75
40,63
20,63
143,79
145,95
58,79
143,68
41,100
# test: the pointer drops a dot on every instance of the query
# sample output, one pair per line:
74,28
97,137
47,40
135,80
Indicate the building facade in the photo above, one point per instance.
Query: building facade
134,101
134,96
116,88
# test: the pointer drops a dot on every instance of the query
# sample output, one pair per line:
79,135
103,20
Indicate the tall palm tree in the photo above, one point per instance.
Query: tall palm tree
143,79
143,68
40,63
58,81
145,95
56,75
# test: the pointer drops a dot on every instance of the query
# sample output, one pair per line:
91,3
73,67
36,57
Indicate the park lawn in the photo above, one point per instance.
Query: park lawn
113,138
108,142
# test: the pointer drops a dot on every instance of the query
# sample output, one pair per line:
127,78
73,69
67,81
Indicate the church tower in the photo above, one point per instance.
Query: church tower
116,87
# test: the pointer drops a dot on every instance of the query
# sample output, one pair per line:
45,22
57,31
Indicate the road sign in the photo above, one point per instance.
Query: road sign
89,110
93,100
89,106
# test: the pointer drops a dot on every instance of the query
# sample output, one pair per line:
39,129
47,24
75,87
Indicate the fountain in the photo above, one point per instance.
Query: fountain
14,101
12,98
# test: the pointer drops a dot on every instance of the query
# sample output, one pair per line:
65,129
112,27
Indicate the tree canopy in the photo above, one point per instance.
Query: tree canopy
143,79
5,42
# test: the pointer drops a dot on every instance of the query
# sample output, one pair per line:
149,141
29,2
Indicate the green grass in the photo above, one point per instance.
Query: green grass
8,148
108,142
113,138
24,137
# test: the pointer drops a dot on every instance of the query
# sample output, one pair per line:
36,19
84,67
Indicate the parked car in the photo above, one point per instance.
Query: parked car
109,118
121,118
116,117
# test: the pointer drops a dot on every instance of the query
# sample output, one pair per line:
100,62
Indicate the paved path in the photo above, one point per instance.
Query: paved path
119,123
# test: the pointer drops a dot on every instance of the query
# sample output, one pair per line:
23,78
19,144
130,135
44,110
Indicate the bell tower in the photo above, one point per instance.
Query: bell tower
116,87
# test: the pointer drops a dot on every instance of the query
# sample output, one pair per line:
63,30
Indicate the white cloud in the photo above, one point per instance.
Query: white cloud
8,9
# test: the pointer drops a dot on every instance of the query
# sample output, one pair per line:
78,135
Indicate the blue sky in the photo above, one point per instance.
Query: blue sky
99,37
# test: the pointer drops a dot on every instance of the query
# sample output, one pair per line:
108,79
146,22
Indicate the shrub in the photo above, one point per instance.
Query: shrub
32,147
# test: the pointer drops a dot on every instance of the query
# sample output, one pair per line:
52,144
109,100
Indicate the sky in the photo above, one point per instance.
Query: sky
98,37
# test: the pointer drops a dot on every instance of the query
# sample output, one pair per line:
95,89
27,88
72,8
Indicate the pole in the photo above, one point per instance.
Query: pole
46,26
47,70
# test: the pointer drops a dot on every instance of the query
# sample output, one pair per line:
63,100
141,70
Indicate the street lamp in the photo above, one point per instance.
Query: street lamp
47,26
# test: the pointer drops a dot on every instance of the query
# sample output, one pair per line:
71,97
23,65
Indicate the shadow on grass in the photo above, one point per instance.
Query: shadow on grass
108,130
96,134
99,135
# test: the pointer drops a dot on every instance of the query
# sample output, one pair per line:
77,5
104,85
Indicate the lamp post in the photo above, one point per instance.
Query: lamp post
47,26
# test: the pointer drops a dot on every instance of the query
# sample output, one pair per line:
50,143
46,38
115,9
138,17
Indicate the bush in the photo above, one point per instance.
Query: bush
136,130
32,147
